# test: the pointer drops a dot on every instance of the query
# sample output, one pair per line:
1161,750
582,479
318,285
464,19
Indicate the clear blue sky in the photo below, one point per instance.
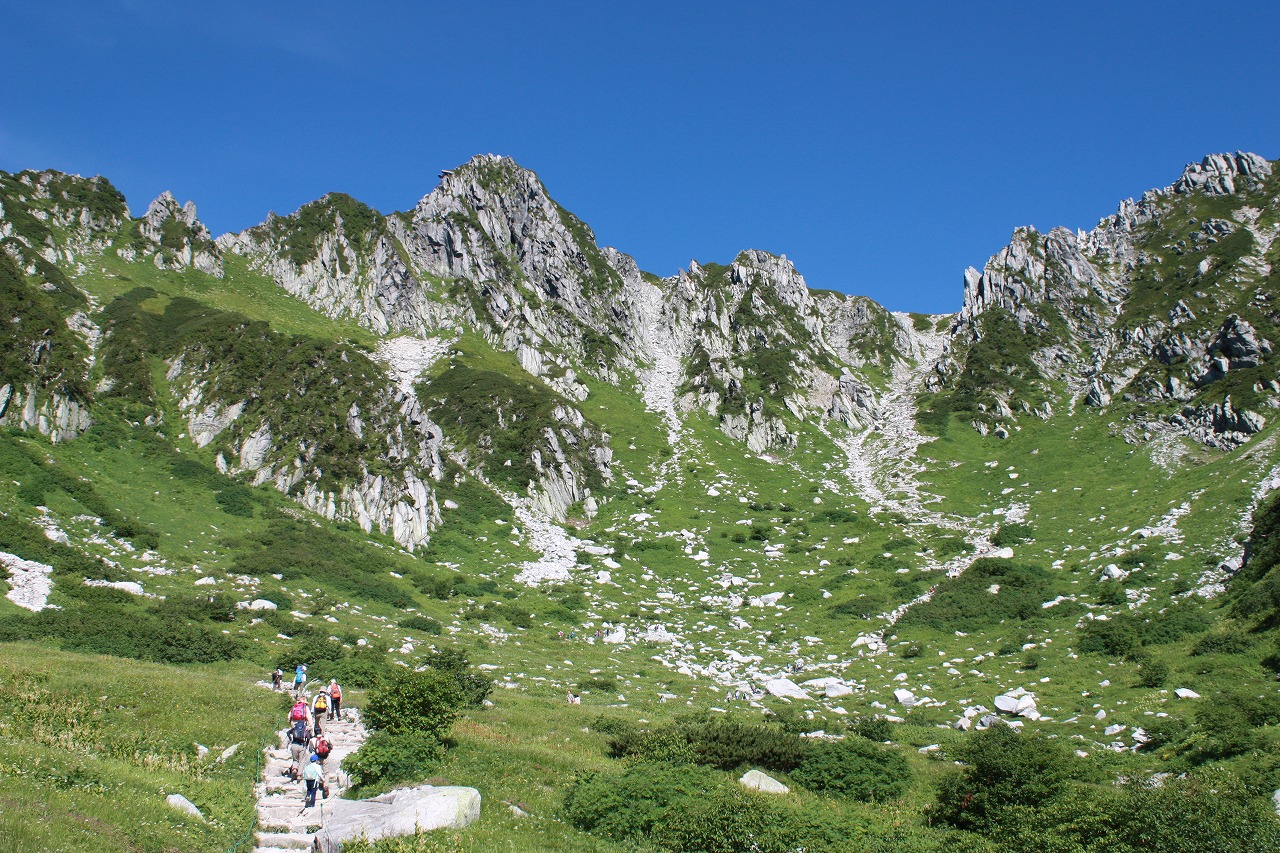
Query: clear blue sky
883,147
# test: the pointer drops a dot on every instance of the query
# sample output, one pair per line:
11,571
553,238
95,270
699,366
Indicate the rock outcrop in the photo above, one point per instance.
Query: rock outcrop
1222,174
176,239
1085,301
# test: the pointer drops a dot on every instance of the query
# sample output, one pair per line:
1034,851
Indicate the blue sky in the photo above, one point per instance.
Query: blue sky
882,147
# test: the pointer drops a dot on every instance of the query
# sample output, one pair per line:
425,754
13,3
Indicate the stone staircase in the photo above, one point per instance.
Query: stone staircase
284,824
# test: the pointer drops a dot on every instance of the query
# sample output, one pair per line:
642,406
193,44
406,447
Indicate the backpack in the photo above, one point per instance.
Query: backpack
298,734
322,702
335,691
323,748
299,712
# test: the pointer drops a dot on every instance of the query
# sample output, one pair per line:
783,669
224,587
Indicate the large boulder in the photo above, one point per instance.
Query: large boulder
181,803
399,812
762,782
785,688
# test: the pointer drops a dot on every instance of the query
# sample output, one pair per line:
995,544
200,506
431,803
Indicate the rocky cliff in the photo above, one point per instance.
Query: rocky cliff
1166,305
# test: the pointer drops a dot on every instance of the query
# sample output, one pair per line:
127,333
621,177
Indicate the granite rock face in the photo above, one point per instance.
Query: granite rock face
1084,302
1222,174
177,239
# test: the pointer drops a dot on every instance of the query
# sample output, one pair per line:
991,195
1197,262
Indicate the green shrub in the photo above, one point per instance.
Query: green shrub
107,625
235,500
1005,768
391,757
1013,534
876,729
1118,637
967,602
1207,810
418,622
854,768
722,742
726,820
1112,594
1225,642
729,744
691,809
1153,673
632,804
408,702
598,683
298,551
472,688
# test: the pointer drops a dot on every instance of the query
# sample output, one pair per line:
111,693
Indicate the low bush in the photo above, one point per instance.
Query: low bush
1118,637
391,757
854,768
1153,673
1005,768
690,809
721,742
1226,642
632,804
968,602
473,688
424,702
418,622
1207,810
876,729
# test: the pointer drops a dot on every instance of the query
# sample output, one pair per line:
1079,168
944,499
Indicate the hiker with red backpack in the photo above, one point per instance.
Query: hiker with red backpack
322,748
335,700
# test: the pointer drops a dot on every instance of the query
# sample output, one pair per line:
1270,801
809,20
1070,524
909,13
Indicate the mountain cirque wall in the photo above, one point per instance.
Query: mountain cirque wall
1163,314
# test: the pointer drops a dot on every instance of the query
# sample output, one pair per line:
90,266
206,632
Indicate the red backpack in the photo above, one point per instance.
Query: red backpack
299,711
323,748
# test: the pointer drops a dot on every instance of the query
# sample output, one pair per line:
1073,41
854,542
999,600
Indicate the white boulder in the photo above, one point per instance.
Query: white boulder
757,781
181,803
403,811
786,688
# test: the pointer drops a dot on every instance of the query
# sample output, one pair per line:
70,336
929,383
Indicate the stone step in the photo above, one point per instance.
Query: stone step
285,840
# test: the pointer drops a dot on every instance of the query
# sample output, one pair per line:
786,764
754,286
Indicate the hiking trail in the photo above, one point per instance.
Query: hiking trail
284,824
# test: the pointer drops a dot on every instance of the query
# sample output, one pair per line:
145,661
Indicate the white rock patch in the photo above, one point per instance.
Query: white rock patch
29,580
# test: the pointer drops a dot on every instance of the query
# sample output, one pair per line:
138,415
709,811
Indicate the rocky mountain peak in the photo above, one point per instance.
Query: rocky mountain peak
775,271
177,237
1223,174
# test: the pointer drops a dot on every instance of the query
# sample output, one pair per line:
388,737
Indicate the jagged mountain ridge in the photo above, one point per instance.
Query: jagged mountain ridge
489,252
1157,305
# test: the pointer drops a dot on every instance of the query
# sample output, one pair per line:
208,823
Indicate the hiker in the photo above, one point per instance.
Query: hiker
335,700
322,748
320,708
313,776
299,737
277,679
299,678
